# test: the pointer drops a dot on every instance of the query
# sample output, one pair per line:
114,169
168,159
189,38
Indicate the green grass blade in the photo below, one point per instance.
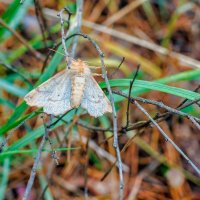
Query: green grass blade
148,85
183,76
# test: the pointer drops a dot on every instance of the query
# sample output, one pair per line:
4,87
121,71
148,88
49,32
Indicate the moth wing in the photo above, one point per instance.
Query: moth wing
94,100
53,95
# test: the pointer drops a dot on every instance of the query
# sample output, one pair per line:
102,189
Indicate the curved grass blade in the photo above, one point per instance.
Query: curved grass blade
148,85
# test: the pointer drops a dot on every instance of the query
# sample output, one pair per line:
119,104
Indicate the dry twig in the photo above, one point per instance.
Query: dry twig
115,143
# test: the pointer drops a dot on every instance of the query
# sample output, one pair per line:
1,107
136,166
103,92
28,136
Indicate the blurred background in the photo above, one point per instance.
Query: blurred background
163,37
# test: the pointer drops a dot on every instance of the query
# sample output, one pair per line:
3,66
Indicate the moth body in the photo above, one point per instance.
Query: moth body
79,73
77,90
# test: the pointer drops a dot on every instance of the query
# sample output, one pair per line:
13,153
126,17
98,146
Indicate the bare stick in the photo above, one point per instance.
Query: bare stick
167,138
36,162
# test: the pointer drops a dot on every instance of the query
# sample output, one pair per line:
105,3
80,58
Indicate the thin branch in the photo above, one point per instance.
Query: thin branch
167,138
36,162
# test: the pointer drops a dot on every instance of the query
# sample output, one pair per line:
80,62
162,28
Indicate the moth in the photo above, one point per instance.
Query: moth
70,89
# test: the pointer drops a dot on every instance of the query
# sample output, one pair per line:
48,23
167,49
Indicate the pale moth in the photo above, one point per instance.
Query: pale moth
70,89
